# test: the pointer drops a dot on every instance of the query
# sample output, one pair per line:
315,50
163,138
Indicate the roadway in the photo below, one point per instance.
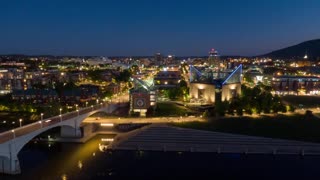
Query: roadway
142,120
23,130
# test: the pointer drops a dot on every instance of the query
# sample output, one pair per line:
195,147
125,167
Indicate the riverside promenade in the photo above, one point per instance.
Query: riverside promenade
161,137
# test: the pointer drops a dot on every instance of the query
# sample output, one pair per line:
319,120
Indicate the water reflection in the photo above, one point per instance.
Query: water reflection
85,161
85,151
52,159
80,165
103,145
64,177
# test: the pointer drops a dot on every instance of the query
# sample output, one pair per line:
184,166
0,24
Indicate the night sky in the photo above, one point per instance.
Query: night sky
144,27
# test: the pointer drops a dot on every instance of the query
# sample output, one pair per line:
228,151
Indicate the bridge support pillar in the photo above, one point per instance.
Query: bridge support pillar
9,164
68,131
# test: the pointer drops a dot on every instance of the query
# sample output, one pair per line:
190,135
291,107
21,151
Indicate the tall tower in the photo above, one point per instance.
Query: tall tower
214,59
158,58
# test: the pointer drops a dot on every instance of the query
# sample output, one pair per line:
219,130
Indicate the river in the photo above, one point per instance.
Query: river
65,161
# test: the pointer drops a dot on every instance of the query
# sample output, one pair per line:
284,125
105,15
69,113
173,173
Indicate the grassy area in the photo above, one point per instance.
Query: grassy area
306,101
298,127
172,109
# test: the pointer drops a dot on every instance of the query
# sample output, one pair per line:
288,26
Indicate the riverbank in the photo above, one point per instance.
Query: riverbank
121,130
292,127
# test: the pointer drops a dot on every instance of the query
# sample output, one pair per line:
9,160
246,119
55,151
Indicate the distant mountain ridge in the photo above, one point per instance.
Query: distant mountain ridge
310,48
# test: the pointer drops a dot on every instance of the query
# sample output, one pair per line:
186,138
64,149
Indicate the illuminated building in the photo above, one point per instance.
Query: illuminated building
142,97
214,59
170,59
167,79
209,86
296,85
256,74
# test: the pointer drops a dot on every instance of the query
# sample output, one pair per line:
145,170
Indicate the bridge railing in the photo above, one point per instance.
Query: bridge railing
20,131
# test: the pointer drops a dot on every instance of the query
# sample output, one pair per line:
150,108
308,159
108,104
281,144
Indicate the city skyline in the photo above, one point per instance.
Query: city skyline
142,28
170,88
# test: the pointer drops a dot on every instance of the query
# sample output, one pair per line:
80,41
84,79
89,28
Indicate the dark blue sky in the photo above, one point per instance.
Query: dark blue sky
144,27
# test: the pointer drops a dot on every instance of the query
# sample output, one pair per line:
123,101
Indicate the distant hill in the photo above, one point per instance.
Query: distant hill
311,48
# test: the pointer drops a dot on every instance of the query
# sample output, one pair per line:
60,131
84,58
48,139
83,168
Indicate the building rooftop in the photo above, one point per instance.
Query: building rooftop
208,76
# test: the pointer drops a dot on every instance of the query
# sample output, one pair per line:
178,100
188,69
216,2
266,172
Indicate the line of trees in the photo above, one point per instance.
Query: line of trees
254,100
179,93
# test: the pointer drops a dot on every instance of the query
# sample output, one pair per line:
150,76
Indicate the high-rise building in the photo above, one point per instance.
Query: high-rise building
214,59
158,59
170,59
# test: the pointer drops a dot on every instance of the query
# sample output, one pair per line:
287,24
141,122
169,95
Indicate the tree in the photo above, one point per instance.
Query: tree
205,114
248,78
184,89
291,108
123,76
174,93
183,83
108,94
134,69
239,111
267,102
95,75
220,108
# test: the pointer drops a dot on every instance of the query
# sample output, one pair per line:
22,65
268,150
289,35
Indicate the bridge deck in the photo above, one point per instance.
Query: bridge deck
17,132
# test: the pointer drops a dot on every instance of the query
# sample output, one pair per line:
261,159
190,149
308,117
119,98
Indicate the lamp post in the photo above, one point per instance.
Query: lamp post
86,103
75,127
41,116
14,134
75,124
60,111
20,121
91,107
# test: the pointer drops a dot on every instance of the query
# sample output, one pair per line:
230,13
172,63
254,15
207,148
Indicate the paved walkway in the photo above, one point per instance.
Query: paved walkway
143,120
165,138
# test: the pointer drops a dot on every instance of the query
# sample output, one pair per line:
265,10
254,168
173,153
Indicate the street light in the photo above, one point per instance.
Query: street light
86,103
78,112
14,134
41,116
76,106
20,120
91,107
60,111
40,122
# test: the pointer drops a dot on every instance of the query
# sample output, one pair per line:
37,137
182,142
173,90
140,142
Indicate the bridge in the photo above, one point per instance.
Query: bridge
11,142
